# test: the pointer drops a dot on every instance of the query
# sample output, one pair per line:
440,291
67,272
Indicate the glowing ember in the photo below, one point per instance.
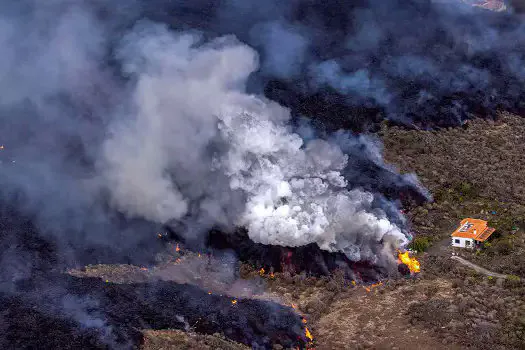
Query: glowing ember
177,248
304,320
272,275
412,263
261,271
372,286
294,306
308,334
234,301
209,293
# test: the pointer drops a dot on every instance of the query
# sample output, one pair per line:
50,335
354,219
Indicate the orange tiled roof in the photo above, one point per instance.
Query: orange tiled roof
473,228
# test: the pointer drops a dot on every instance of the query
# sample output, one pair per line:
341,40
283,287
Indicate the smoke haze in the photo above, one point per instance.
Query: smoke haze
118,117
196,138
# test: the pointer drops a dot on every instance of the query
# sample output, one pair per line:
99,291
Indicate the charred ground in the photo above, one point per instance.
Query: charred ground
448,304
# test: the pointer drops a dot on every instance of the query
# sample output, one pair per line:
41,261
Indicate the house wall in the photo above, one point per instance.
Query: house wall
462,242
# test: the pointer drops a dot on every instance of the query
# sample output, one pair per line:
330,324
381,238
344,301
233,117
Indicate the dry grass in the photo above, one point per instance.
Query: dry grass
180,340
114,273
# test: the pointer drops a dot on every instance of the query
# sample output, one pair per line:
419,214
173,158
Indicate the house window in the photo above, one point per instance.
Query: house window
467,243
456,241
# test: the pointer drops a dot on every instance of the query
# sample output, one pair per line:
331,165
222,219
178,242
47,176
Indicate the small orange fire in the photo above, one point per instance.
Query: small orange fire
294,306
308,334
372,286
177,248
234,301
261,271
272,276
412,263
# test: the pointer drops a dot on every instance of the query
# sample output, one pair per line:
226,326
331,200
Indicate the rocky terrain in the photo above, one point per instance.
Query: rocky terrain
471,171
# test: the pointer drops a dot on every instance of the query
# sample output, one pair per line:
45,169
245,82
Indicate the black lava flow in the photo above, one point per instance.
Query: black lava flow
42,307
119,313
436,64
309,259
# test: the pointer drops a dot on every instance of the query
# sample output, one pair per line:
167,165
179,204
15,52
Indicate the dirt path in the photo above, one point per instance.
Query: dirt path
441,249
478,268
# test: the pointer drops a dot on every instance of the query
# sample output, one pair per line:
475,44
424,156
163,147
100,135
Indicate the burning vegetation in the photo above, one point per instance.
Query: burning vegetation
410,262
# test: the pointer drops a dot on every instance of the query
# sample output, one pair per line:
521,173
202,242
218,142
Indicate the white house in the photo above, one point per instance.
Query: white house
471,233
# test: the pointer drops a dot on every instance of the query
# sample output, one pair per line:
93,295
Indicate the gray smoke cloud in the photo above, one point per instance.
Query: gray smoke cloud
193,134
103,116
424,62
112,126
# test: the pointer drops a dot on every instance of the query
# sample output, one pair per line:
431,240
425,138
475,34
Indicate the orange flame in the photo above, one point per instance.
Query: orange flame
412,263
261,271
372,286
272,275
177,248
308,334
209,293
234,301
294,306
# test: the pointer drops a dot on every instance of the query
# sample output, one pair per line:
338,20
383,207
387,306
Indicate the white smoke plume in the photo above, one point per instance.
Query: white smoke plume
192,134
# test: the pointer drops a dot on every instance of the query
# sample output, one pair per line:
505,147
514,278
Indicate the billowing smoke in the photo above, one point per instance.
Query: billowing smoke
105,110
194,137
419,62
119,116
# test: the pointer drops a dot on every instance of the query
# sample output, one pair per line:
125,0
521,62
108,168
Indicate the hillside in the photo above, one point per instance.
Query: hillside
473,171
476,172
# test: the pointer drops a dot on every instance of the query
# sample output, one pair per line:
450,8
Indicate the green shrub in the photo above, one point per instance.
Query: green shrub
504,224
466,190
503,247
420,244
512,281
